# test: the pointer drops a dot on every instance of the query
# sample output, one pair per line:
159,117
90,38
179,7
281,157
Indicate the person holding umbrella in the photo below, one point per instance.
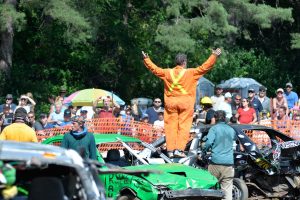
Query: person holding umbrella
179,97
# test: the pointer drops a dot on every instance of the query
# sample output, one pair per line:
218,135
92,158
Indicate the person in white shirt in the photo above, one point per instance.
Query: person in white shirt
226,105
160,122
217,98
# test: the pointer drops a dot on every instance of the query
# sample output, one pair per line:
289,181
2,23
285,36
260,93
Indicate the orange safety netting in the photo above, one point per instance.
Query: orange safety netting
148,133
143,131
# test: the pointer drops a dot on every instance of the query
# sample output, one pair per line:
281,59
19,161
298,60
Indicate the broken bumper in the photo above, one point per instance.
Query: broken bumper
194,194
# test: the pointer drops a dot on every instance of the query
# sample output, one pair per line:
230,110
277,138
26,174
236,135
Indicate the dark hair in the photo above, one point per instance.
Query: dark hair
180,59
283,107
43,115
220,116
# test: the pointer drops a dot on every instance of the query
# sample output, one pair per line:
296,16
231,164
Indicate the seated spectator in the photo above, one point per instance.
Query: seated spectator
282,121
83,114
9,101
6,118
43,123
57,116
159,124
113,157
145,118
246,114
51,100
32,122
24,103
67,118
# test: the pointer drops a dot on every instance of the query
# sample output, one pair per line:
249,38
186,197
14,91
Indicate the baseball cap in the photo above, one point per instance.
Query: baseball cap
43,115
251,90
228,95
145,115
63,89
262,88
67,113
289,84
83,111
279,90
9,96
6,106
78,119
21,113
219,87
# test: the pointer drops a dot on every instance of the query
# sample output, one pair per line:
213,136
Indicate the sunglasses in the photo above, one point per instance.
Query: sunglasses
157,101
244,101
8,99
30,117
23,99
237,99
262,90
279,92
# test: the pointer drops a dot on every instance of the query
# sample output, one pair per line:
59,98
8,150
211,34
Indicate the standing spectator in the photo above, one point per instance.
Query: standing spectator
57,116
226,106
67,118
51,100
80,139
19,131
30,96
255,103
208,111
160,124
6,118
218,98
236,104
264,100
62,92
9,101
246,114
220,139
152,111
291,96
105,110
32,122
23,103
278,101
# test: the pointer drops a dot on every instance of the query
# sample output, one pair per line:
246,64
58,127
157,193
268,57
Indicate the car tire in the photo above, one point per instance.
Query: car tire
239,190
128,197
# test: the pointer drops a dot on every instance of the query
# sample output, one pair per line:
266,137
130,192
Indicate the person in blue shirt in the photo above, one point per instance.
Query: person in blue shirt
291,97
256,104
67,118
220,140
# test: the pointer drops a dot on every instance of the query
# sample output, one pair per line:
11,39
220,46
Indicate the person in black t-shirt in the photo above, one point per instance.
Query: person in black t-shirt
7,117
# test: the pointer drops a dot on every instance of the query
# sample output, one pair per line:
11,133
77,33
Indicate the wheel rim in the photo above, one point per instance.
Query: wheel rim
236,193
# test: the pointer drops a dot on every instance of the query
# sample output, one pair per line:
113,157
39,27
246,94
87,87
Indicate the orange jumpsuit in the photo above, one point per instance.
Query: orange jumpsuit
179,97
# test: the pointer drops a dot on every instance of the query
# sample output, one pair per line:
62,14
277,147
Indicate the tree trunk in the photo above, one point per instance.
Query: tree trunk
6,42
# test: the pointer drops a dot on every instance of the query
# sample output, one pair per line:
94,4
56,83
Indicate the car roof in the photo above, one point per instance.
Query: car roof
237,126
25,151
105,138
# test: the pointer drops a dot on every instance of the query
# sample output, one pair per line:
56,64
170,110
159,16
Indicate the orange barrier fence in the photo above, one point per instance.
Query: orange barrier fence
148,133
144,131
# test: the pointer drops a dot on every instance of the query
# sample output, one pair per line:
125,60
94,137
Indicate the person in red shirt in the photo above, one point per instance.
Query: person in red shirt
106,109
246,114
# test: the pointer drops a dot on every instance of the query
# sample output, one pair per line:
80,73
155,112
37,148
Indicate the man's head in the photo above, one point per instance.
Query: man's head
262,91
218,90
161,116
228,97
83,114
67,115
220,116
31,117
157,102
288,87
9,99
58,107
20,115
78,123
6,108
237,99
282,111
43,118
62,91
251,93
181,60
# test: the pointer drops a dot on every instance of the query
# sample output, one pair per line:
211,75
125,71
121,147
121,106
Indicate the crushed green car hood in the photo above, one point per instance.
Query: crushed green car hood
178,176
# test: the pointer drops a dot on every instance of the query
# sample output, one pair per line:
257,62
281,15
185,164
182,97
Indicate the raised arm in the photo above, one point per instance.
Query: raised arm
208,64
157,71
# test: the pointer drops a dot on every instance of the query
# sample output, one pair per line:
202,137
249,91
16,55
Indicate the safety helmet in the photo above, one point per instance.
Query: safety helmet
206,100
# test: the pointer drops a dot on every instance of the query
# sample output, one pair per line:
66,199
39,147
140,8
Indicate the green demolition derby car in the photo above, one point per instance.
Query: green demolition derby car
176,181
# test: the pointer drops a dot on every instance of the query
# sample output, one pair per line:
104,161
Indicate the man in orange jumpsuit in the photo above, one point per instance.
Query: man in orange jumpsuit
179,97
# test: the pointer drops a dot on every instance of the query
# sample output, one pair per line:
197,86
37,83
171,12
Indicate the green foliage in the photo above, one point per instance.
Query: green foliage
8,14
295,40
